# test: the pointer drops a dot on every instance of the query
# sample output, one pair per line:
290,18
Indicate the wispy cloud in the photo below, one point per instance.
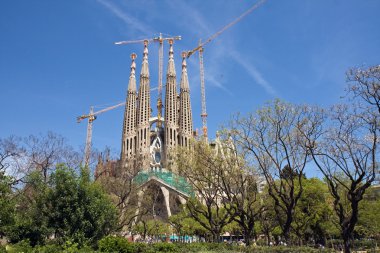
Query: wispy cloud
252,71
195,22
126,18
191,19
211,79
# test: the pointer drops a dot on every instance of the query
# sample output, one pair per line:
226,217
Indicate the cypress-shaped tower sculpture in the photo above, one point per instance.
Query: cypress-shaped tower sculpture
185,114
171,111
128,142
143,114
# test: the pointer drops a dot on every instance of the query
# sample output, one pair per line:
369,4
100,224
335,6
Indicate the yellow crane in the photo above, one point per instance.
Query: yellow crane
91,117
200,49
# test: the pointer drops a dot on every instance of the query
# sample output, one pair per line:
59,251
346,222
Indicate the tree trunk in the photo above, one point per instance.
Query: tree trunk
346,244
268,238
286,234
213,236
300,241
247,237
248,234
350,222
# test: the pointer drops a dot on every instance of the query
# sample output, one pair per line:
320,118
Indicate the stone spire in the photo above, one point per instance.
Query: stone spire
185,114
128,142
171,111
143,114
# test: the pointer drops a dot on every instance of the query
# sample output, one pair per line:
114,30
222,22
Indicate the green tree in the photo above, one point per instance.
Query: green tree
153,227
78,209
31,217
7,203
267,218
312,212
185,225
68,207
369,218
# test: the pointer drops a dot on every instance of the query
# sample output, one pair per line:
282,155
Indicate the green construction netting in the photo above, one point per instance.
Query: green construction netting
177,182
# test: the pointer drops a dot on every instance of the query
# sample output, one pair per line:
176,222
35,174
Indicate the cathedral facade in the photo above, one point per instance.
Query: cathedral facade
149,142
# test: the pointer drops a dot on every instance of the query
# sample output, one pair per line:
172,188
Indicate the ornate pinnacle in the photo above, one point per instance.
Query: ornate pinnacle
145,50
184,64
144,68
171,49
133,64
171,68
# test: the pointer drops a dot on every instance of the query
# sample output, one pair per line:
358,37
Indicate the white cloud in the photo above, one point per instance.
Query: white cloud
252,71
127,18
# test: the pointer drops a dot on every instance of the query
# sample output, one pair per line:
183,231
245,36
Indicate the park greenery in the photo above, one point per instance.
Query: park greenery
250,183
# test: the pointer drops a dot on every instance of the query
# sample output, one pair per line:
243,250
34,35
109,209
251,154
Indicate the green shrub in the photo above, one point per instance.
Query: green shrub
285,249
50,248
2,249
192,247
207,247
164,247
141,247
365,244
22,246
116,244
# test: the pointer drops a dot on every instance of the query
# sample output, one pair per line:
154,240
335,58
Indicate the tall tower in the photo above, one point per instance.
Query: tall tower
143,114
171,111
185,115
128,141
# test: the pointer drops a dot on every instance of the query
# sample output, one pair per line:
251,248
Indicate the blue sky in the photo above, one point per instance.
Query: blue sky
57,58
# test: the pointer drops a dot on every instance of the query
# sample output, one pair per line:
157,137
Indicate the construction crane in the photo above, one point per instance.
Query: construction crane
91,117
160,40
200,49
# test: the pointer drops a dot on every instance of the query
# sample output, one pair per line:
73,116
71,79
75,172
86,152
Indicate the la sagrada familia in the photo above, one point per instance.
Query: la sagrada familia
149,142
152,140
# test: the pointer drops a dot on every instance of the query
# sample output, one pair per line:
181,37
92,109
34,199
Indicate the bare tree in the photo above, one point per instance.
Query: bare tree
9,152
347,157
239,185
201,167
44,152
365,84
118,182
124,195
20,156
276,137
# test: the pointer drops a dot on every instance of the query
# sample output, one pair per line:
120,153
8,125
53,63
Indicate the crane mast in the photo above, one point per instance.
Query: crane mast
203,93
87,150
160,74
160,65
